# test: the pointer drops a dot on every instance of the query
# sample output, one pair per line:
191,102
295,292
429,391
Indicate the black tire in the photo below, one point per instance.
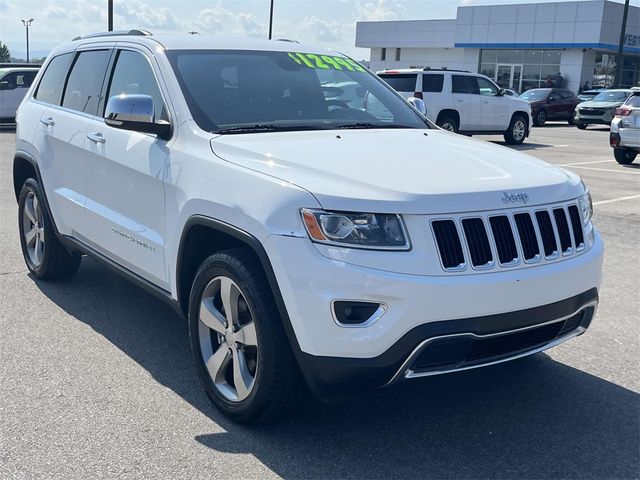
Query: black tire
448,123
570,120
55,261
540,119
517,131
624,156
581,126
277,383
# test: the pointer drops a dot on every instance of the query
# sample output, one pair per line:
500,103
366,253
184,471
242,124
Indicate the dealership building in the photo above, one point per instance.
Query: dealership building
518,45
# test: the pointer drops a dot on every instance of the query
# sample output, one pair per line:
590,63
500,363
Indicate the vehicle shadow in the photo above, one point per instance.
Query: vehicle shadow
531,418
522,146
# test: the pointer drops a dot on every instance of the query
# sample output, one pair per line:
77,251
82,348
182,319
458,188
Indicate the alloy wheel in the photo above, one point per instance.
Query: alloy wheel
33,229
228,339
518,130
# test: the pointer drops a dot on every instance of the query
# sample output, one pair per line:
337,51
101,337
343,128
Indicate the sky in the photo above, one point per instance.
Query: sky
329,23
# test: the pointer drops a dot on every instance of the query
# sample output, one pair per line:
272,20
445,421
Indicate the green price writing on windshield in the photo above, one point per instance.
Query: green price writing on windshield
325,62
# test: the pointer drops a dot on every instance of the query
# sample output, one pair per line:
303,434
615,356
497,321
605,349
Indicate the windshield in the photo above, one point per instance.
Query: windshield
535,94
611,97
254,91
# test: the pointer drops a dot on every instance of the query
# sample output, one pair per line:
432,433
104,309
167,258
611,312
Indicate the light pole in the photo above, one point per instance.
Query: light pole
271,20
27,24
110,15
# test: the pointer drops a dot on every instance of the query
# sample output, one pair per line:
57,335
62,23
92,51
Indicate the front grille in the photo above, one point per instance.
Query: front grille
460,351
592,111
521,236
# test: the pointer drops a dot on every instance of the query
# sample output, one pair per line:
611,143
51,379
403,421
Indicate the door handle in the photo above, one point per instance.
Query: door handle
48,121
461,101
96,137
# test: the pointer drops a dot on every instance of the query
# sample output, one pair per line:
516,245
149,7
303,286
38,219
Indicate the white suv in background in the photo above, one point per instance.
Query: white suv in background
464,102
625,130
306,242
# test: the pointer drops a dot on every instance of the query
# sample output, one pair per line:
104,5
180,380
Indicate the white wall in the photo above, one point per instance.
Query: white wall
571,69
455,58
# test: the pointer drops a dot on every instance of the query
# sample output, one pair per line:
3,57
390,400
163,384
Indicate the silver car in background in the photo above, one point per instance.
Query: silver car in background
14,84
625,130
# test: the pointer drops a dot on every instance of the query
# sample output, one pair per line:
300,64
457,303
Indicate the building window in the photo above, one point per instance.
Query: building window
520,69
383,54
397,54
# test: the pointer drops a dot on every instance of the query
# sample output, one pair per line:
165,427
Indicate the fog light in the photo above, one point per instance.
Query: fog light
357,314
614,139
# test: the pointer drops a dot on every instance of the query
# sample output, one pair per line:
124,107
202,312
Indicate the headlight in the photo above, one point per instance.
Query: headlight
374,231
586,207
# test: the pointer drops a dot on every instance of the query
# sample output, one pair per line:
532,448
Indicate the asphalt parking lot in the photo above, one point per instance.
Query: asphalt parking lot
96,378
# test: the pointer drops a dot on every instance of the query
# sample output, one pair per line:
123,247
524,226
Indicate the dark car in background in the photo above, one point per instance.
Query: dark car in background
601,109
551,104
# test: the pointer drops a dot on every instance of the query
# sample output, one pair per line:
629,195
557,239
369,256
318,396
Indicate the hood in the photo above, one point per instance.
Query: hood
400,171
606,105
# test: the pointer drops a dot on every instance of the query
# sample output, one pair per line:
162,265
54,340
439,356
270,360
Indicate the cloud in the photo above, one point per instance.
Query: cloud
379,10
137,14
321,29
219,20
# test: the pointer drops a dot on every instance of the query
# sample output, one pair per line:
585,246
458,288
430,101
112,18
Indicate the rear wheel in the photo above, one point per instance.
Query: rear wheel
540,119
448,123
241,351
581,126
517,130
45,256
570,120
624,156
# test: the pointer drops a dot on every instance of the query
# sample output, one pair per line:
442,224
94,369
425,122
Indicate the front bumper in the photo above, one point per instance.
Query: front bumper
419,307
455,345
604,119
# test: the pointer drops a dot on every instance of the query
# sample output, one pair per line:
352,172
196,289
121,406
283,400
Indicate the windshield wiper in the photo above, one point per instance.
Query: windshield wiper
262,127
369,125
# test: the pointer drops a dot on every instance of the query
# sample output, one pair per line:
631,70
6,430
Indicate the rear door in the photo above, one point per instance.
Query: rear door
556,106
432,88
125,208
60,134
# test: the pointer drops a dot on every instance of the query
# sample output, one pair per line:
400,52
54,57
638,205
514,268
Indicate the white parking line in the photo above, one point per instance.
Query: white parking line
619,199
605,170
585,163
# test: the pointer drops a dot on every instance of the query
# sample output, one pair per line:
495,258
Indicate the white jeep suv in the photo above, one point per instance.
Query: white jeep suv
306,242
464,102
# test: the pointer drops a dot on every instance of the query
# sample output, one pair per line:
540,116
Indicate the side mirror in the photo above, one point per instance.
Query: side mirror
501,92
418,104
135,112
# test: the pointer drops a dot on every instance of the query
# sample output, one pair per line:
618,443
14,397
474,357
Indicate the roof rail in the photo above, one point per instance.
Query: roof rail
117,33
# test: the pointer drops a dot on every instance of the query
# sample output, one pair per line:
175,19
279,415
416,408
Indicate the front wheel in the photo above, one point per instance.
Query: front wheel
517,130
239,345
45,256
624,156
540,119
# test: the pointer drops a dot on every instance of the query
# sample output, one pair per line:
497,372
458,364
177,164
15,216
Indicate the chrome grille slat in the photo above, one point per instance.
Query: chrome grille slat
503,239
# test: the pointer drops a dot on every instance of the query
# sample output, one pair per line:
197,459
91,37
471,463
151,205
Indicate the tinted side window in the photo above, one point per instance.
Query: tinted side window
486,87
465,84
9,81
432,83
554,96
133,75
404,82
566,94
85,81
50,87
